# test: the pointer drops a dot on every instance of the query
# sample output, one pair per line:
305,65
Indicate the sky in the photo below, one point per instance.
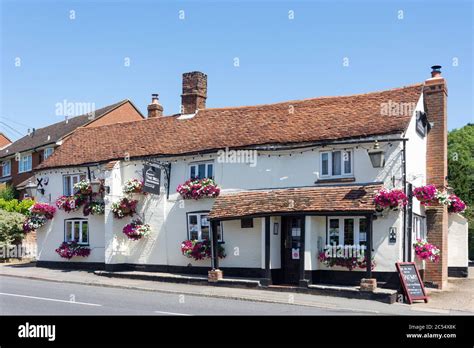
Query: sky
56,52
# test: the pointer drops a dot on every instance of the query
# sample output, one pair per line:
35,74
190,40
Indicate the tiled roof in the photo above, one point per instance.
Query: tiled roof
53,133
319,119
355,198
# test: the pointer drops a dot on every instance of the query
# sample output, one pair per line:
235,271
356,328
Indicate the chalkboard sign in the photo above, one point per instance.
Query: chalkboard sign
411,281
151,179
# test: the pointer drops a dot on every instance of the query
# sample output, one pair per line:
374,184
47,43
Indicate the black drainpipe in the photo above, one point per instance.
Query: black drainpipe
410,220
404,178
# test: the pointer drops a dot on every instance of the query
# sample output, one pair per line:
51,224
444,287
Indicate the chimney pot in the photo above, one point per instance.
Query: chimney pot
155,109
436,70
194,92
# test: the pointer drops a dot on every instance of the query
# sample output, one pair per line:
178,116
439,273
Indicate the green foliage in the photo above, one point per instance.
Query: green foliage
7,193
15,206
11,227
461,172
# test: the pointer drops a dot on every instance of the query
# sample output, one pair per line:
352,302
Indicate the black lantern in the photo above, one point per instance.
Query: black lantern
377,156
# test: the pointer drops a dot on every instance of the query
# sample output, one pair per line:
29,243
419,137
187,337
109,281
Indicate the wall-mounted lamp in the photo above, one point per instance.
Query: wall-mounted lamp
377,156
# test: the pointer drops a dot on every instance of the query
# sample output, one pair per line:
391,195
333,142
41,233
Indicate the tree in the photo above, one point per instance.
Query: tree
461,172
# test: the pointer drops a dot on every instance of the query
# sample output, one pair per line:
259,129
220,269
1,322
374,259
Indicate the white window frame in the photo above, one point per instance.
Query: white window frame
419,227
69,191
330,156
29,163
4,165
341,228
206,169
69,232
199,217
48,152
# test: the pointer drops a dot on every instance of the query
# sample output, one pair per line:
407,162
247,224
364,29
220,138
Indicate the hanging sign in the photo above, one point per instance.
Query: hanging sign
151,179
411,281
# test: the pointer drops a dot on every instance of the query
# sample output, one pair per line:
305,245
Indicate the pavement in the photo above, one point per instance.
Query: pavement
26,289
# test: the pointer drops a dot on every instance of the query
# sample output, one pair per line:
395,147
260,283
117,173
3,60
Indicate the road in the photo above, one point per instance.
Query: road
35,297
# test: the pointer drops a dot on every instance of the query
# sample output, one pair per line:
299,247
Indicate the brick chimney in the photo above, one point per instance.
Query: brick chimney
194,92
435,93
155,109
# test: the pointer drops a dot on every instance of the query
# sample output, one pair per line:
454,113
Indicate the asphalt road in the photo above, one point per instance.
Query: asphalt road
35,297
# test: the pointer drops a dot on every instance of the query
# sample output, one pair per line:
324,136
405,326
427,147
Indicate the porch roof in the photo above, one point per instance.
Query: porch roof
343,198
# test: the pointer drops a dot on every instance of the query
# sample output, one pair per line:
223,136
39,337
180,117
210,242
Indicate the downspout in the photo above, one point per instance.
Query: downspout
404,179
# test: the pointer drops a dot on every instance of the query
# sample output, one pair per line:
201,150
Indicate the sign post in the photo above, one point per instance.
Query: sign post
411,281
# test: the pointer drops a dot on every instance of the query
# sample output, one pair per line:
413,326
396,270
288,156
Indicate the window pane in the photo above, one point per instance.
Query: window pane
210,173
325,164
205,233
348,231
193,172
202,171
84,232
336,163
334,231
69,225
193,226
193,219
67,185
219,232
347,162
193,235
362,231
76,231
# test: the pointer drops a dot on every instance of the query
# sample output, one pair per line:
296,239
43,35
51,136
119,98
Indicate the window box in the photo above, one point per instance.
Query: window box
198,188
200,250
68,250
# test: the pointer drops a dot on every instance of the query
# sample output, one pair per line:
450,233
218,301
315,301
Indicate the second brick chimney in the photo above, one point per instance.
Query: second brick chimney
155,109
194,92
435,94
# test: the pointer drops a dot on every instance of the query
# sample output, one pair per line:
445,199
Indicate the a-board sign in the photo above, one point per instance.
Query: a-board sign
411,281
151,179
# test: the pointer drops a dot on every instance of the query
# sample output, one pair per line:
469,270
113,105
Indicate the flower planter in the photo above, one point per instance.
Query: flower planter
198,188
68,250
124,207
426,251
390,200
200,250
38,215
136,230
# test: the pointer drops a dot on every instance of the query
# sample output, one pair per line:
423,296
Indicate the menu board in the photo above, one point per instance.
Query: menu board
411,281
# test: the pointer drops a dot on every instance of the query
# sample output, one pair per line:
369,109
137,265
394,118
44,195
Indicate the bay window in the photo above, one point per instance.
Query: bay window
199,227
336,163
25,163
6,168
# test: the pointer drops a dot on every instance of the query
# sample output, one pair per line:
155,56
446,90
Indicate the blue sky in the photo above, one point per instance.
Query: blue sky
83,59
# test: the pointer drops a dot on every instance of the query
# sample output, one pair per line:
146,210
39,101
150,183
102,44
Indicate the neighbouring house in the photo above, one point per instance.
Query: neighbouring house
19,159
4,141
282,192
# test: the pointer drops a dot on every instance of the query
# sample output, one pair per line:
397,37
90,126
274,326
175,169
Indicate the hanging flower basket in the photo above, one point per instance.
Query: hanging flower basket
94,208
38,215
456,205
68,250
70,203
200,250
83,188
426,251
133,186
390,199
124,207
198,188
430,195
136,229
427,195
350,263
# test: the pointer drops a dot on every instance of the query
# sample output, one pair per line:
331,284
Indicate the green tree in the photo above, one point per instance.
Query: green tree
461,172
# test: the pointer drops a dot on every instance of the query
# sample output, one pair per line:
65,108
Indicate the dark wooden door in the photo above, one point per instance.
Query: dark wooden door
291,249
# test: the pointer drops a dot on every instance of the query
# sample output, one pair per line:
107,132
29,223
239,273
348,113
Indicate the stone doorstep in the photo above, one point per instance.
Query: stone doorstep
383,295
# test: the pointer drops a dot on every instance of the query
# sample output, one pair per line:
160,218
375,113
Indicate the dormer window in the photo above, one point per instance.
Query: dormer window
336,163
